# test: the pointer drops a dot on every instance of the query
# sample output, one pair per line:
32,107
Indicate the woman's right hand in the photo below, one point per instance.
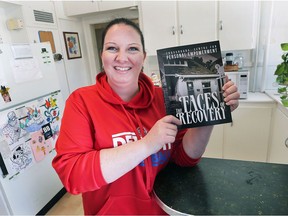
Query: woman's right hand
164,131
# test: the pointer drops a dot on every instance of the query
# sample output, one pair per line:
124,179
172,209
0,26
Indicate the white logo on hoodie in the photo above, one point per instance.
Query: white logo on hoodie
123,138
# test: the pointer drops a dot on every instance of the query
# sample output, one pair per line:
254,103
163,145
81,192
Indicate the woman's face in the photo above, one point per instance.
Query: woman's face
122,56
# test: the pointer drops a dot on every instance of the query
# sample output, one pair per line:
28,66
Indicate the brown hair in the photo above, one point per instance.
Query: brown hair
124,21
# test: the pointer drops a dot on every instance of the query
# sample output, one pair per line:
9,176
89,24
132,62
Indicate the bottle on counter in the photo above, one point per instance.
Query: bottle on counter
239,60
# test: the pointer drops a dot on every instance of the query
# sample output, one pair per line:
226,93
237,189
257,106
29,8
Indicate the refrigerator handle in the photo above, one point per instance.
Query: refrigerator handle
3,167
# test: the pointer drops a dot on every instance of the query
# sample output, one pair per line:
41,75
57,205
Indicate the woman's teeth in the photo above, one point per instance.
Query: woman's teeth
123,68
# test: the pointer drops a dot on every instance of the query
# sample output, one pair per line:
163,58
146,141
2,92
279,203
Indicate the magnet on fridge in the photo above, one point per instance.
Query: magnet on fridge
5,94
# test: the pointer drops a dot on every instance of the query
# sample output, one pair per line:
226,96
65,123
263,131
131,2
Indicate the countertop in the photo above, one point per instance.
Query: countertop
224,187
276,97
258,97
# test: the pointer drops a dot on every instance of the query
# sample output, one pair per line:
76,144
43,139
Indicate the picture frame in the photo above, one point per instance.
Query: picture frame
72,44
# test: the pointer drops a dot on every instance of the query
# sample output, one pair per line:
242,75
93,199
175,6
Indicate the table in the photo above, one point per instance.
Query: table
223,187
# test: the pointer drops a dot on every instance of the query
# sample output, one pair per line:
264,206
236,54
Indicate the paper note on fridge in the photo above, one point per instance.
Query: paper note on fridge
22,51
25,70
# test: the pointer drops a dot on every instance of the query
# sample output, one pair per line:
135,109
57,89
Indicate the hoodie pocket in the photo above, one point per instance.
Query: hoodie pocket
130,205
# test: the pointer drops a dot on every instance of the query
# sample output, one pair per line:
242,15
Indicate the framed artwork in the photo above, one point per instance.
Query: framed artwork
72,45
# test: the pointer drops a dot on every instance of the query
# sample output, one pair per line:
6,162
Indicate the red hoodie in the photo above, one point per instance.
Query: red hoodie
95,118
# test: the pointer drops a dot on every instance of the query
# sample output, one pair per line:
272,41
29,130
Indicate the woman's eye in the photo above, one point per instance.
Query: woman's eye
133,49
111,48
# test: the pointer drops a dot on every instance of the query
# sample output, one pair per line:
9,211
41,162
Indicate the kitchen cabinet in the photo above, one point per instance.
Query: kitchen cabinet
171,23
247,137
158,23
214,148
278,152
73,8
238,24
105,5
196,21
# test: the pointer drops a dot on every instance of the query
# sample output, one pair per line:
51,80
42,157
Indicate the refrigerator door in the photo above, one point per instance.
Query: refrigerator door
29,126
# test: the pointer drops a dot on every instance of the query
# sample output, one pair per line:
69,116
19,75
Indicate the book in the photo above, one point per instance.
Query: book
192,77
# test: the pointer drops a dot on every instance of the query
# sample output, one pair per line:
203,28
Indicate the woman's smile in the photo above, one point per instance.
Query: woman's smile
122,68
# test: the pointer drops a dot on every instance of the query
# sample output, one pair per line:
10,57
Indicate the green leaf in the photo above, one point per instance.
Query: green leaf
284,46
283,97
284,57
280,69
281,89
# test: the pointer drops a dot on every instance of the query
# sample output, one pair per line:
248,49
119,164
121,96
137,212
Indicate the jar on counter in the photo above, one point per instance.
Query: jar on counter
229,58
239,60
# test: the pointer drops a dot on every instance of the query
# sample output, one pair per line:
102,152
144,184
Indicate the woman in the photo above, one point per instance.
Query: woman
115,137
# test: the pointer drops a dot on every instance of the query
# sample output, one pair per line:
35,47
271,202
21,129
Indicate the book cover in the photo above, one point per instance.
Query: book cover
192,77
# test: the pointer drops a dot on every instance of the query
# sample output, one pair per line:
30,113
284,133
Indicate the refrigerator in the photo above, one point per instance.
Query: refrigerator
31,106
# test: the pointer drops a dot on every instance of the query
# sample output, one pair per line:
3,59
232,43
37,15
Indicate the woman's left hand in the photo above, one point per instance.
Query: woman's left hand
231,94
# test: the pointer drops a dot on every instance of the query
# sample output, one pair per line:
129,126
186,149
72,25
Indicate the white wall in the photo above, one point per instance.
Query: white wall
273,32
4,33
76,69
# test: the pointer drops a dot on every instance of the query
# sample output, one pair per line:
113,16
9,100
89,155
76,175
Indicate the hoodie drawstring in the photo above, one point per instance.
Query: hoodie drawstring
146,161
139,135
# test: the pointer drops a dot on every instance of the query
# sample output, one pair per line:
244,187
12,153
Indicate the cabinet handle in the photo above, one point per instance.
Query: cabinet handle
286,142
181,29
221,25
173,30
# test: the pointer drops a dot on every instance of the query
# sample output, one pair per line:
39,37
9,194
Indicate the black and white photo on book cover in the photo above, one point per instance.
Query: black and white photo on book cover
192,77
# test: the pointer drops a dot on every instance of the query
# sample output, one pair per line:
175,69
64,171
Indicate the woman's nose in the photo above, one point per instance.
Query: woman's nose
121,56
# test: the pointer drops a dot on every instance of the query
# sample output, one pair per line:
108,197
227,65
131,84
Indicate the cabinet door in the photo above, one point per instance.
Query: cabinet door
237,24
214,148
105,5
158,24
248,136
72,8
197,21
278,152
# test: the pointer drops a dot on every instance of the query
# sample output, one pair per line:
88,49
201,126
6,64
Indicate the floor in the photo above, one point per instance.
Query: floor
67,205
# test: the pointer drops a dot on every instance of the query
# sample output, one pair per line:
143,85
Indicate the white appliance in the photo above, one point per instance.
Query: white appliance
31,106
241,80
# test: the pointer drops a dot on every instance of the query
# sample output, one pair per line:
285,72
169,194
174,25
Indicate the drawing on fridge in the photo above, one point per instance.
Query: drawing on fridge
31,106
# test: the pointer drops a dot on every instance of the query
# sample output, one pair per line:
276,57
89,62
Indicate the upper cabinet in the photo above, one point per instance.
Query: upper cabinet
73,8
197,21
237,24
105,5
159,24
173,23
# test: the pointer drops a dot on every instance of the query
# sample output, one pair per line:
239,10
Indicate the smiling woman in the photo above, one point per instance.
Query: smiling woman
123,134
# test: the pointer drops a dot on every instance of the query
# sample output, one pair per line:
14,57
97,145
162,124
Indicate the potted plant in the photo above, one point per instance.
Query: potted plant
282,75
